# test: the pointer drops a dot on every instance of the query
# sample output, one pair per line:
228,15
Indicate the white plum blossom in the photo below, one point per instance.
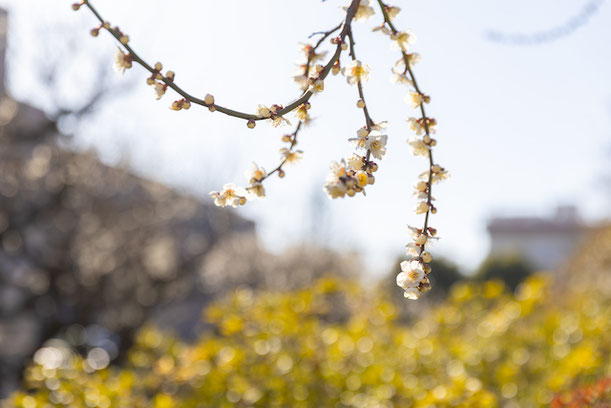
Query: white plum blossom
364,11
376,143
255,173
334,186
355,162
411,293
123,61
410,277
402,40
422,207
414,99
361,138
419,148
291,156
356,72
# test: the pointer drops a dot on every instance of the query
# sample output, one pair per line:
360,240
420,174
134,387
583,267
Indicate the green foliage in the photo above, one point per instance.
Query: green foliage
510,269
334,344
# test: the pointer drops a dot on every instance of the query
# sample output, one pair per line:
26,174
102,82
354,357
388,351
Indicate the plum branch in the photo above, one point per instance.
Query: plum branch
350,175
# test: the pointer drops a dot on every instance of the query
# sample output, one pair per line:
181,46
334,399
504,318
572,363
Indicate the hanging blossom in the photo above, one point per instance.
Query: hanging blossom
356,72
123,61
402,40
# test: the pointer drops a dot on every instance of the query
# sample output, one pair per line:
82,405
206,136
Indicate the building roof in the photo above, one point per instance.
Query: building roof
565,219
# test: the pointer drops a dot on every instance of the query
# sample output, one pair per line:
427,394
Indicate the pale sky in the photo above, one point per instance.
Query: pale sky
521,128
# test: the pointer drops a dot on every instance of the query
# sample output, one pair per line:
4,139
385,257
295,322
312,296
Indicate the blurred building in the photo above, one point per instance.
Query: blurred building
544,242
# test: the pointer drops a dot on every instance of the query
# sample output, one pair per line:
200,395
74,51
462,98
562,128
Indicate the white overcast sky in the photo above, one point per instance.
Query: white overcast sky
521,128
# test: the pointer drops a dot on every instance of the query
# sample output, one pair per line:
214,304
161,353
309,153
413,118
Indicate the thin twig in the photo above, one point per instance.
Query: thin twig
368,121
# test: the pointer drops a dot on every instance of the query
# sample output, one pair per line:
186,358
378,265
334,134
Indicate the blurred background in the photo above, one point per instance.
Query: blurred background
106,226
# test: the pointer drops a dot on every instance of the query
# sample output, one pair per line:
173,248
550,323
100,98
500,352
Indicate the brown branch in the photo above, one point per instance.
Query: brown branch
352,9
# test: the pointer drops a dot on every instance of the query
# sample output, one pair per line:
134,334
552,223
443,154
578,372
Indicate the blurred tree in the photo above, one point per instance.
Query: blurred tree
510,269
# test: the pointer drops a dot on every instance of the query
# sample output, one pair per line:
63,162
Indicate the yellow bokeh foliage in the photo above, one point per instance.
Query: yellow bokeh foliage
335,344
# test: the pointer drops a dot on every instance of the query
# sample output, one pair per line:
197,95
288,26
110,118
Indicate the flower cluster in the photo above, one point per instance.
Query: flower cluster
350,176
233,196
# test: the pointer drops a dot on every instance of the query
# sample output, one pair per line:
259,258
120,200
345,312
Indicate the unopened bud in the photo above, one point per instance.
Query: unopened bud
426,257
360,104
94,32
124,39
344,46
281,173
158,66
209,99
250,124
